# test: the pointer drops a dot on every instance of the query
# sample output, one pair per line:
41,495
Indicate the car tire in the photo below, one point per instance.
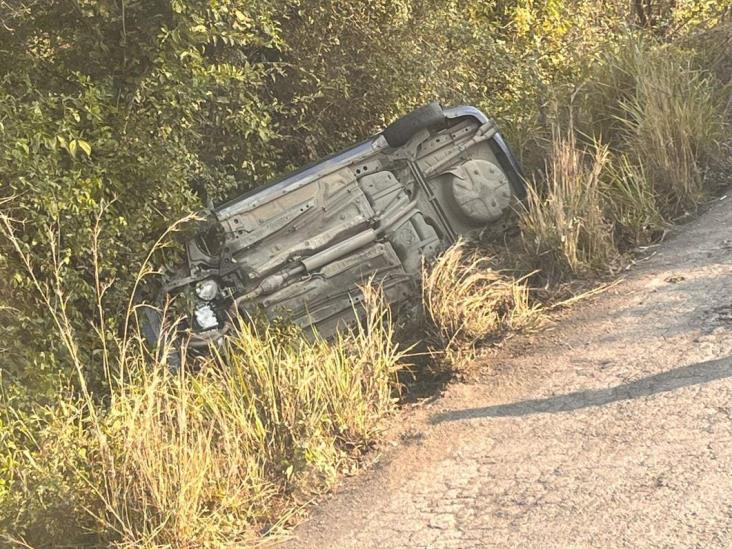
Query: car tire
399,132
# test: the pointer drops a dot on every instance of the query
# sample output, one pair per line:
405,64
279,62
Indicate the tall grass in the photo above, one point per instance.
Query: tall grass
673,126
564,227
654,103
650,122
467,300
632,204
212,459
272,419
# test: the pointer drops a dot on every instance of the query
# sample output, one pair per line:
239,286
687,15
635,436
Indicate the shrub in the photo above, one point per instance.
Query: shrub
136,106
673,127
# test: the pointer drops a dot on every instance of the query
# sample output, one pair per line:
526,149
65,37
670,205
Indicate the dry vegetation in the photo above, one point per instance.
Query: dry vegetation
651,125
183,460
149,458
631,150
467,301
564,226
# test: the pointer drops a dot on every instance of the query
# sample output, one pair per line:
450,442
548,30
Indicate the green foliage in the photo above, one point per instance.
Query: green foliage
119,117
45,457
374,61
137,104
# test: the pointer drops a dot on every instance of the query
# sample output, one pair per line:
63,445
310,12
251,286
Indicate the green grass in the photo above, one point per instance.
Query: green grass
179,460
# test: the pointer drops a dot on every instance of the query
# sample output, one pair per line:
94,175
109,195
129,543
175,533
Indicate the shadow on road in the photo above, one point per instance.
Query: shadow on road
694,374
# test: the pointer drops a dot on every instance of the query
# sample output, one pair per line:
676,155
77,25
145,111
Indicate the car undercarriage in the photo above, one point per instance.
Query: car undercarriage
302,246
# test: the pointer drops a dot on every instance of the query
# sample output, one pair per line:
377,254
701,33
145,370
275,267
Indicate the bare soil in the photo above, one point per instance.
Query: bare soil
612,428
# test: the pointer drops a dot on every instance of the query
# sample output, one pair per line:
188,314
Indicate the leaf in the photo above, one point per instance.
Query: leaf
73,144
85,146
23,146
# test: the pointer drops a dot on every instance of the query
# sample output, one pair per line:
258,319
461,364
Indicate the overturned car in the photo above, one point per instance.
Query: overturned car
302,245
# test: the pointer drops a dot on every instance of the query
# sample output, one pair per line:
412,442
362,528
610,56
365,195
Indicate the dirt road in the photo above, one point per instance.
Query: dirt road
613,429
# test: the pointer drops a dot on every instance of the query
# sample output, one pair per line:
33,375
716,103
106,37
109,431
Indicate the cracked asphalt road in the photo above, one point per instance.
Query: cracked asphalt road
611,429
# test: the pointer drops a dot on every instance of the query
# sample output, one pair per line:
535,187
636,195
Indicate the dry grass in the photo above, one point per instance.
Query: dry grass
179,460
210,459
673,126
467,300
564,228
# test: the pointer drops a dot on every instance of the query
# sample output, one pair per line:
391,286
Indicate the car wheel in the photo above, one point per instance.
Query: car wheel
401,131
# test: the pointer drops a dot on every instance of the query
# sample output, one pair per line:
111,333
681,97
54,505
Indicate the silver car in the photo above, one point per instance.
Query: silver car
300,246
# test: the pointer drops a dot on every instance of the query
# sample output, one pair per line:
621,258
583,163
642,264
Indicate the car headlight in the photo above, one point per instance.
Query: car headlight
207,289
206,318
